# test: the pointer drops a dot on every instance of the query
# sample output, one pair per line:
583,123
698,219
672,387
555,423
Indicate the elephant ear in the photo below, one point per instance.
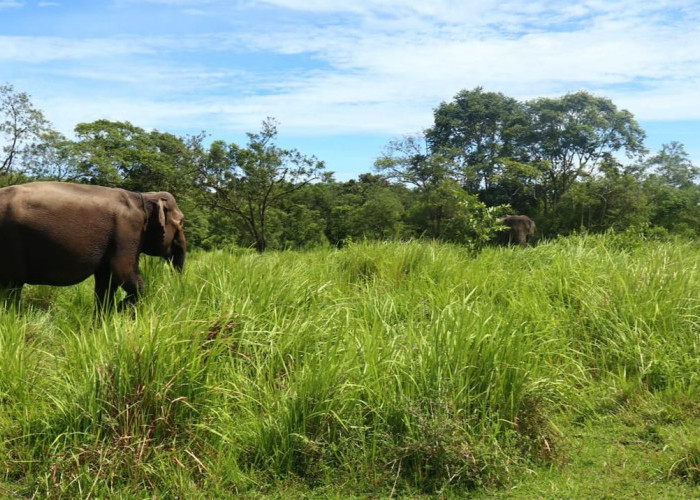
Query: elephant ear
161,212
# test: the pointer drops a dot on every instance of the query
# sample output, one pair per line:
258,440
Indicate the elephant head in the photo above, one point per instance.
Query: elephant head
165,229
518,229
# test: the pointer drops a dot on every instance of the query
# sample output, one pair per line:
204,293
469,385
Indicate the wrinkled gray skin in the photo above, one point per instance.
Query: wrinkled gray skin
56,233
521,230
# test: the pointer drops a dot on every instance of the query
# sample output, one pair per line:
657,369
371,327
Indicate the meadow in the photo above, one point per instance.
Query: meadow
571,369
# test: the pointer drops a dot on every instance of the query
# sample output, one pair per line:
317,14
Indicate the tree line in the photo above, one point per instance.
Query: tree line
571,163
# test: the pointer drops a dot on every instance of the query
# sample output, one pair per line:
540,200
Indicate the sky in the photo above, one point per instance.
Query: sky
344,77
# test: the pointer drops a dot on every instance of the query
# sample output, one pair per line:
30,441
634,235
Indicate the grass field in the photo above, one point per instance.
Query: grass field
383,369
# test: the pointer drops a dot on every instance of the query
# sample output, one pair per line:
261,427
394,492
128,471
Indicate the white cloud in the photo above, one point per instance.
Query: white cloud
383,65
10,4
38,49
431,62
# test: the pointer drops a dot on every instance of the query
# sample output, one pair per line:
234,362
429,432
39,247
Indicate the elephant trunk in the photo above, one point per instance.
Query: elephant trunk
178,251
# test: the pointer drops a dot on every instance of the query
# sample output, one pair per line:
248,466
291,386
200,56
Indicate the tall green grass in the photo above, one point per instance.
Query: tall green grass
377,369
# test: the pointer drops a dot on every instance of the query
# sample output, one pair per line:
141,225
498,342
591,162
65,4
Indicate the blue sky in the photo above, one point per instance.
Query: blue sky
343,78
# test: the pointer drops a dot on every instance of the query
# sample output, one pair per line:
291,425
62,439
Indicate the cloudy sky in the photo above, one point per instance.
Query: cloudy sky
345,77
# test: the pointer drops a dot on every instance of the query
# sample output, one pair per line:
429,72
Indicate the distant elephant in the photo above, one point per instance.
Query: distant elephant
521,230
57,233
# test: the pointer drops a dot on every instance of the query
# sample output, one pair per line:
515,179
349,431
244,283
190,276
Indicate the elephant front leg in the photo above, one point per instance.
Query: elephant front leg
104,291
522,239
125,272
134,288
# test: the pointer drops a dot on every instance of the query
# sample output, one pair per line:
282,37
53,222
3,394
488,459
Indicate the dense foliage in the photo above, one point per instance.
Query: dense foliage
571,163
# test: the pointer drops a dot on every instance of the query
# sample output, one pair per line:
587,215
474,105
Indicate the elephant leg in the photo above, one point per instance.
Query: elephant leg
513,239
134,288
104,290
126,273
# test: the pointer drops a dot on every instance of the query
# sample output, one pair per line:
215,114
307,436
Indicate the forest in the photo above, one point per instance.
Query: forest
572,163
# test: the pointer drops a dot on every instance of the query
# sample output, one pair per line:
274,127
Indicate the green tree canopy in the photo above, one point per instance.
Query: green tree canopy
120,154
249,181
22,128
568,136
478,130
673,165
409,160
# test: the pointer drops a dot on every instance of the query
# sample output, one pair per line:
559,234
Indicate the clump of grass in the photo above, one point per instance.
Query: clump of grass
20,364
687,465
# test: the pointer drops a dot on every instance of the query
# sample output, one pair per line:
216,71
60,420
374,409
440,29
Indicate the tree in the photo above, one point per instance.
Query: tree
435,209
478,130
54,158
299,227
613,199
248,182
409,161
22,127
675,198
673,164
568,137
120,154
517,184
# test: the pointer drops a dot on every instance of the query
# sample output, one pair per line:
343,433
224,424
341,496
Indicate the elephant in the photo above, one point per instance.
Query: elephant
60,233
520,230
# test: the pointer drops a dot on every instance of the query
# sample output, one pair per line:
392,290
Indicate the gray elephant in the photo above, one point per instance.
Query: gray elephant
520,230
57,233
